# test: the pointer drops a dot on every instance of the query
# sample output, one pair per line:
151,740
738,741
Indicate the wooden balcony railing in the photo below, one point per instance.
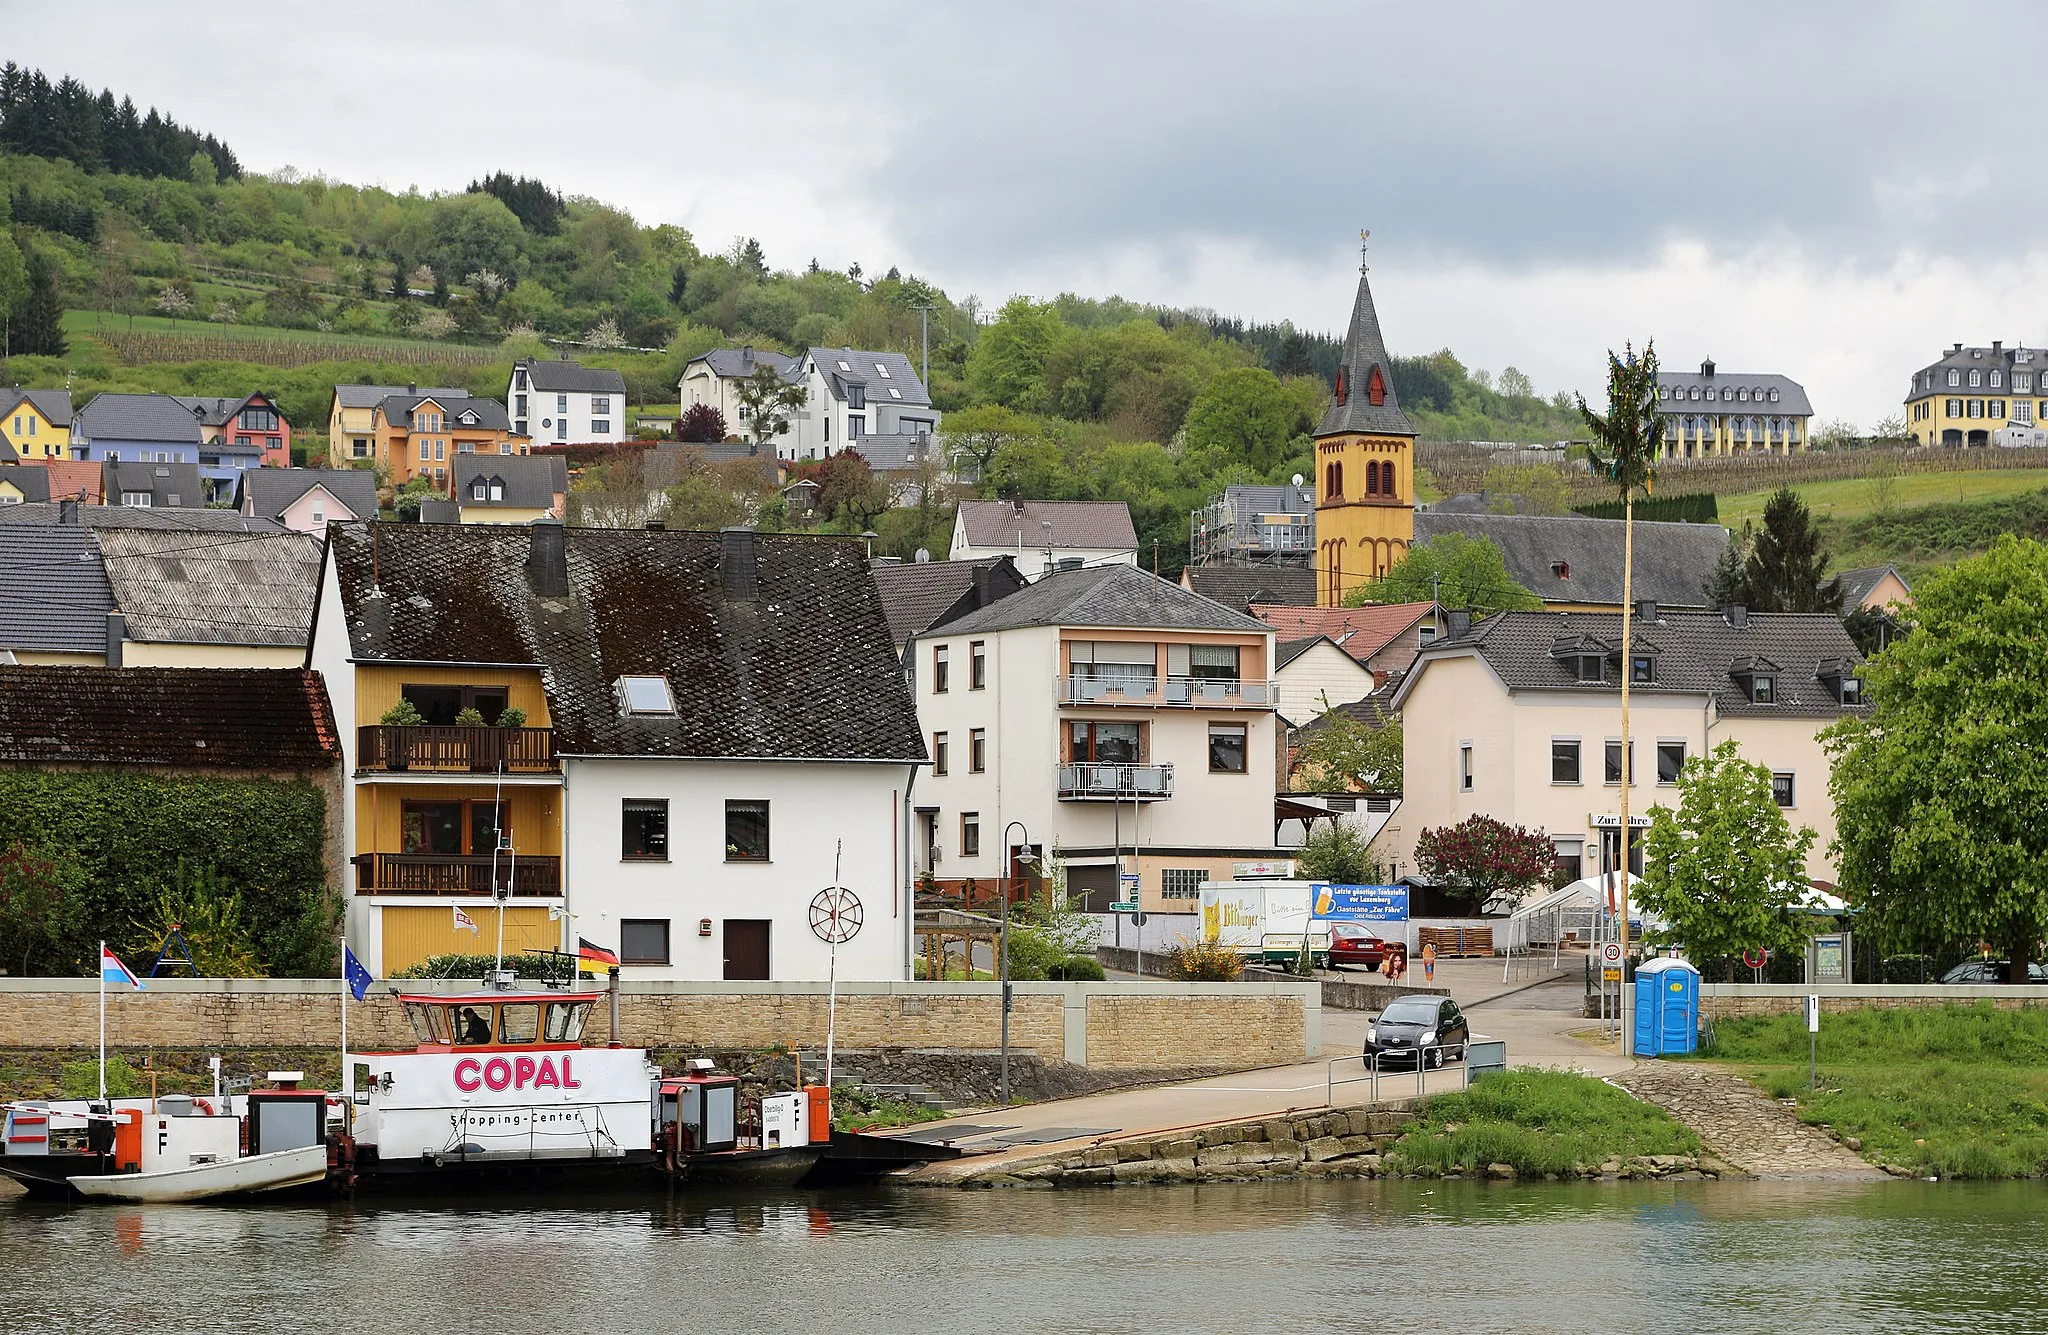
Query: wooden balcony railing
456,750
449,874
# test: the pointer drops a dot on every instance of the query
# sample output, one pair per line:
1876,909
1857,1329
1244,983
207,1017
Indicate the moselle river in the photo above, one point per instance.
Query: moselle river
1309,1256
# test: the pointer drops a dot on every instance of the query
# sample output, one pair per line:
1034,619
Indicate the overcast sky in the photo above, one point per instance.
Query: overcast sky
1772,185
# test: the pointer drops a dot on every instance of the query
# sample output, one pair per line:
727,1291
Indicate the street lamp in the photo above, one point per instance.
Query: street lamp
1023,859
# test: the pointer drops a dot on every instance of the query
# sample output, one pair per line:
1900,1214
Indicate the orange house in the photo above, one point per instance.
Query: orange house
416,435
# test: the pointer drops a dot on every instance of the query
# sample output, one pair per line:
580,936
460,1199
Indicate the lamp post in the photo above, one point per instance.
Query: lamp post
1023,859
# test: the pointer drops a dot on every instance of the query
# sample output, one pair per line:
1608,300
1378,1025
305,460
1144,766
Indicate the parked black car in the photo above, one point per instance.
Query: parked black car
1420,1028
1993,971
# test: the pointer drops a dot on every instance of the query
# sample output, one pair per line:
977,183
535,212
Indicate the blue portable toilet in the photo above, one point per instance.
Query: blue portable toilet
1667,1007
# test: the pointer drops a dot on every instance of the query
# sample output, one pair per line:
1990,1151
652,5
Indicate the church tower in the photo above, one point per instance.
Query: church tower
1365,465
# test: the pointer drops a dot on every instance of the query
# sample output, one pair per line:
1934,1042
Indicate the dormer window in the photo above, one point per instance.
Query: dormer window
1375,387
1642,669
1955,377
1763,689
1343,387
645,697
1849,690
1592,667
1774,396
1976,377
1997,379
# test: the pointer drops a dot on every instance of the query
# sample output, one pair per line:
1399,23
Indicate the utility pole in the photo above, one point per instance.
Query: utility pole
924,334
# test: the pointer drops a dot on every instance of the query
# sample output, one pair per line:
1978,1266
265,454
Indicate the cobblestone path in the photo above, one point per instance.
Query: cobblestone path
1740,1124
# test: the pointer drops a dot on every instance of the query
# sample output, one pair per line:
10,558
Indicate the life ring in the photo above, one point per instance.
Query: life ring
1756,959
204,1106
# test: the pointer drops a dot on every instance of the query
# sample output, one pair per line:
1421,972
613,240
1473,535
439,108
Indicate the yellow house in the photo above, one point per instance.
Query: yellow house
352,416
36,425
1973,393
21,483
514,489
1365,465
1731,412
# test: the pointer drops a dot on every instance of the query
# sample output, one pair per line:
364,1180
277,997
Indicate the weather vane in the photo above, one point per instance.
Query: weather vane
1363,238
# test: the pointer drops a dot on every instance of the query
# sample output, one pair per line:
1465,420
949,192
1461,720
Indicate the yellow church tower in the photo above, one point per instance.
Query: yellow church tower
1365,464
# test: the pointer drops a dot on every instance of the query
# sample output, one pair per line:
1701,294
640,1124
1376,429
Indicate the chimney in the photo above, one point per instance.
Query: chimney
981,586
747,356
547,560
1707,367
1998,345
1958,348
738,569
1646,609
655,526
117,632
67,510
1736,615
1460,622
412,387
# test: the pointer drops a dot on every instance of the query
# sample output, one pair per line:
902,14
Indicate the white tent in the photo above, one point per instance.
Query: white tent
1586,907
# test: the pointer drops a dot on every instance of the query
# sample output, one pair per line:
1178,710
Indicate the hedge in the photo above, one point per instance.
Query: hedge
1695,507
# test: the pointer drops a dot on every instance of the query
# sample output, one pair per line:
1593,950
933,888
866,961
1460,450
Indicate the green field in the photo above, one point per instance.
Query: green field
99,322
1955,1091
1854,498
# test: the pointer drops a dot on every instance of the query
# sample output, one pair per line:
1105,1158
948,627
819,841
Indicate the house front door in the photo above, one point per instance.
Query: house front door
746,950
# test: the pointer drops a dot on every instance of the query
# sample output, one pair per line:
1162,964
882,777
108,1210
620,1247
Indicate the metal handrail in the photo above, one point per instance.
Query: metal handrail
1371,1065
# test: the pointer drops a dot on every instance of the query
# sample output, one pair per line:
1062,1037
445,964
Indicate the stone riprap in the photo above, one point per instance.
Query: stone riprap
1740,1124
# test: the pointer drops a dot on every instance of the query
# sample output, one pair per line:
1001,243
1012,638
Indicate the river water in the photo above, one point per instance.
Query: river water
1308,1256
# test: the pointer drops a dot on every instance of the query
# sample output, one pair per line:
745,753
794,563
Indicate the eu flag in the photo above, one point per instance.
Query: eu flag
354,974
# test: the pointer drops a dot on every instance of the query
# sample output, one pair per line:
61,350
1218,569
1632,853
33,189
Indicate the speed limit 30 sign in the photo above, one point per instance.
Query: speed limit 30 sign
1611,952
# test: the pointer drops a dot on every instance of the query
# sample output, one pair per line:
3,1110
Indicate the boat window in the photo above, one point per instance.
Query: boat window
565,1021
518,1024
472,1024
421,1025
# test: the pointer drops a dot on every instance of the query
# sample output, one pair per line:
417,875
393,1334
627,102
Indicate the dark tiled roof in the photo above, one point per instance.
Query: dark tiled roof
1239,586
1100,524
805,670
172,486
1791,400
54,404
1286,651
269,492
155,417
923,594
896,453
1109,595
136,516
1697,654
1374,711
274,719
214,411
736,363
530,481
31,480
369,396
1364,351
213,588
867,369
560,375
1673,561
489,413
1361,631
53,589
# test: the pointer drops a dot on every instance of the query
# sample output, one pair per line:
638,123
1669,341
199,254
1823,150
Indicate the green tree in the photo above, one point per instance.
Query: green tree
1941,789
1461,572
13,276
199,170
41,908
1484,860
1336,851
39,332
1787,567
768,403
469,232
974,435
1244,415
1007,365
1341,754
1725,869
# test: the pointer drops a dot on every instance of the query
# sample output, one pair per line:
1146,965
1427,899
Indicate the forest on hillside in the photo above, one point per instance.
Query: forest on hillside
1066,397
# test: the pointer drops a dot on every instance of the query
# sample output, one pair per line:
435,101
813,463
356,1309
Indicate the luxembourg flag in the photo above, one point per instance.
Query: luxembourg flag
113,971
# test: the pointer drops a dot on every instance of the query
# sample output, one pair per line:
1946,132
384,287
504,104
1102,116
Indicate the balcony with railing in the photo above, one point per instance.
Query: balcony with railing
1115,783
529,875
383,748
1169,692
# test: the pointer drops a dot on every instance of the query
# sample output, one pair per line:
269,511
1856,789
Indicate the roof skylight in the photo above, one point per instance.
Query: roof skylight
646,697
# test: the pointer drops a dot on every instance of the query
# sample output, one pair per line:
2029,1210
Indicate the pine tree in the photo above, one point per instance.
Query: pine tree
1787,569
40,332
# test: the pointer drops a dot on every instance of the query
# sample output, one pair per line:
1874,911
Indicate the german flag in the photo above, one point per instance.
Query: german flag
592,958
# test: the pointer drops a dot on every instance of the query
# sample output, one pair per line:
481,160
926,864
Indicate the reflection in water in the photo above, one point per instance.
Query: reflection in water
1299,1256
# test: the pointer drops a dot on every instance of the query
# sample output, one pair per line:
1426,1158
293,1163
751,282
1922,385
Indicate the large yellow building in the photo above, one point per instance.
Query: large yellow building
1365,465
1980,396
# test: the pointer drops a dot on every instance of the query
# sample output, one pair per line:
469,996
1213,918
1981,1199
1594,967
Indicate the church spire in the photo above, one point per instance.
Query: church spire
1365,403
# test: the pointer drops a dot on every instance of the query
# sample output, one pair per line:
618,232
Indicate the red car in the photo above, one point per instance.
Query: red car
1352,946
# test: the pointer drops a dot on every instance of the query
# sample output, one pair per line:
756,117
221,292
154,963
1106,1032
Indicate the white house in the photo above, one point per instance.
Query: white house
1106,711
1518,717
561,401
1043,536
854,393
715,729
714,377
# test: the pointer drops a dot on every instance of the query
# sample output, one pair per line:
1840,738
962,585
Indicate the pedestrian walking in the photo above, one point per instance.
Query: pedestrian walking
1429,961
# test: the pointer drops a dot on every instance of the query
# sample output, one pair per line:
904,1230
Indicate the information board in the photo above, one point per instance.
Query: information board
1359,903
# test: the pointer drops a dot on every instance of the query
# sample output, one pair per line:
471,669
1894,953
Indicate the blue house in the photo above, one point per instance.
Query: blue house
138,428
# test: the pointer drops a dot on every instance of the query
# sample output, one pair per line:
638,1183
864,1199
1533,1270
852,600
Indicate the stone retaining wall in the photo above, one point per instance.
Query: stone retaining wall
1728,1001
1111,1026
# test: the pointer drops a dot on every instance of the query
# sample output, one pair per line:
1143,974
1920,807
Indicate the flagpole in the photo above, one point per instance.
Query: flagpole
347,1075
103,1022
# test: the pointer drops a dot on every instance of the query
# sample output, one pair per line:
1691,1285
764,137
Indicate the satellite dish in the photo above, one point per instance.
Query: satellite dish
1297,479
924,554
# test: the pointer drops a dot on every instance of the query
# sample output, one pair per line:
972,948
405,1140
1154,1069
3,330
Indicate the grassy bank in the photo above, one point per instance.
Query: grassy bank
1537,1122
1959,1091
